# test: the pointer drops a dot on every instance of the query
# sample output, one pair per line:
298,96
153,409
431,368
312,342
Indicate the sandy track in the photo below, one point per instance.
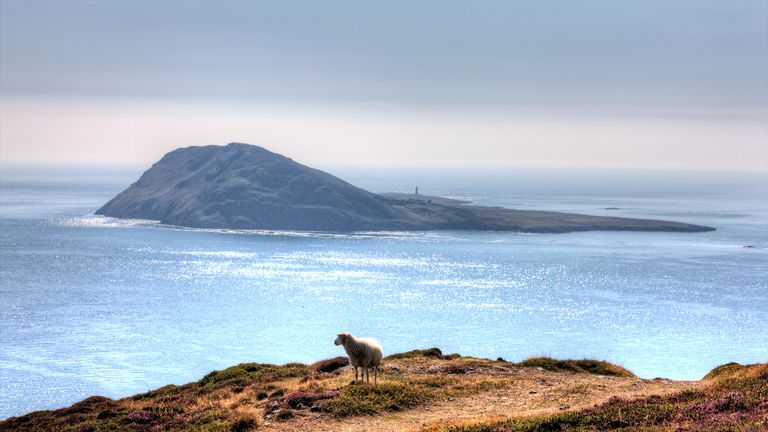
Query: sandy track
517,392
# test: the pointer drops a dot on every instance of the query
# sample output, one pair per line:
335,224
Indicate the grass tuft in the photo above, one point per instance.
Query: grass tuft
330,365
370,400
594,367
249,373
430,352
243,424
724,371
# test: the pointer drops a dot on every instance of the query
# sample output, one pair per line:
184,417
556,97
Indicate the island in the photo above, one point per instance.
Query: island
242,186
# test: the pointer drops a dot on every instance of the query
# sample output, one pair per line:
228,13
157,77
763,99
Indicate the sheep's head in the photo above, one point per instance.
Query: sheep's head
341,338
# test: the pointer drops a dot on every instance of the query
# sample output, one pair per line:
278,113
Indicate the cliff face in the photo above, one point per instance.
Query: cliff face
241,186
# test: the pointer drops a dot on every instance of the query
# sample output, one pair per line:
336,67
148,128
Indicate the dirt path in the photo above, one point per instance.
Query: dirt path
516,392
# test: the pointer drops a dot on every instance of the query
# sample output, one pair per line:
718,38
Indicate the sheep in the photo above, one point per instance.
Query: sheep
364,353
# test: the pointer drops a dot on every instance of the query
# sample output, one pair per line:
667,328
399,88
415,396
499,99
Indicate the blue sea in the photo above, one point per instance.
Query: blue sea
98,306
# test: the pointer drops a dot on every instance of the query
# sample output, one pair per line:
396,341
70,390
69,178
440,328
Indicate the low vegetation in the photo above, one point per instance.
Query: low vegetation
595,367
430,352
331,364
249,373
370,400
727,370
736,399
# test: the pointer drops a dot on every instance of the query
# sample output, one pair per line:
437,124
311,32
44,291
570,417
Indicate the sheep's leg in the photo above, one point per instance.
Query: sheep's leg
365,372
355,374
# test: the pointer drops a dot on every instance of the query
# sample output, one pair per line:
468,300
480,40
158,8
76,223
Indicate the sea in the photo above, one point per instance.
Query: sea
92,305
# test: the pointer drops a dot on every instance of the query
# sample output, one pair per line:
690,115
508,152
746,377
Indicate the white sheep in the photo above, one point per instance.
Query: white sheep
364,353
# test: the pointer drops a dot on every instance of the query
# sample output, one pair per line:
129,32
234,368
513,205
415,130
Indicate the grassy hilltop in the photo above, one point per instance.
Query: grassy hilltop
427,391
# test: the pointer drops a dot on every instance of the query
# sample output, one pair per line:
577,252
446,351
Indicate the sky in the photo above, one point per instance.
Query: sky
652,84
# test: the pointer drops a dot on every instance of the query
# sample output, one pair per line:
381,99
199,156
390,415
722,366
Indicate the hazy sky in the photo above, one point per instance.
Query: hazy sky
616,83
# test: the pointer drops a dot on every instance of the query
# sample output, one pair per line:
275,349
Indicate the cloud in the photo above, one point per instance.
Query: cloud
141,131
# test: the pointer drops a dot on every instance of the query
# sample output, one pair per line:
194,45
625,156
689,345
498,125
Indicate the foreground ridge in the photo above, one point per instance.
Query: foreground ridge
430,392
